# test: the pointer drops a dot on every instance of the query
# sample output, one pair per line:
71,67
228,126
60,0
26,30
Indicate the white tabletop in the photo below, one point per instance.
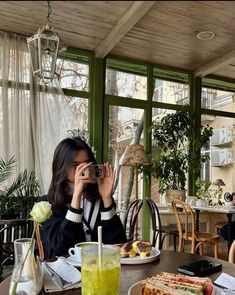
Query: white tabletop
216,209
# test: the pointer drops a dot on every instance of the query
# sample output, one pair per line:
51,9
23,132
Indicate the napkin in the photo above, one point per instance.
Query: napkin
64,270
227,282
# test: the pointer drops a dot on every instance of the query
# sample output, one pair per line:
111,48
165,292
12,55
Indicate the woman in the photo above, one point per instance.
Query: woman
79,203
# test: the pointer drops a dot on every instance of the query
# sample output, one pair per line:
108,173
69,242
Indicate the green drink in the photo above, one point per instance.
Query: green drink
100,277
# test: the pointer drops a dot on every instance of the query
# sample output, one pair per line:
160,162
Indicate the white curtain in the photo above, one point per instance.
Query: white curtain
33,119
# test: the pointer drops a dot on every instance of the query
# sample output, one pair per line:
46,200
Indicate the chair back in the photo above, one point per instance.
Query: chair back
155,219
131,218
9,231
231,254
186,223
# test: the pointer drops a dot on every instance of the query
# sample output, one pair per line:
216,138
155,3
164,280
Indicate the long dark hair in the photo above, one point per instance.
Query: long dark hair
64,155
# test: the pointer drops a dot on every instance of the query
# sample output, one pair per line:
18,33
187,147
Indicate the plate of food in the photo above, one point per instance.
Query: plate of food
138,252
169,283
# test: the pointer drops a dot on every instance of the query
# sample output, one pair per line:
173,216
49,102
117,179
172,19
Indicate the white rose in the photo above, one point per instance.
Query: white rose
41,211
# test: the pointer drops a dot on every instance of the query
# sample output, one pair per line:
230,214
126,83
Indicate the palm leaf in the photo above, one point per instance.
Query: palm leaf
19,196
6,168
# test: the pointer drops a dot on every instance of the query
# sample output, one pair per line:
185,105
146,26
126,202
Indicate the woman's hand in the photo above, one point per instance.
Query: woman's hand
106,185
80,181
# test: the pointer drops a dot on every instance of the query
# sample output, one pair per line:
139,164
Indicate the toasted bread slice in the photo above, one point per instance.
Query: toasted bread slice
125,250
142,248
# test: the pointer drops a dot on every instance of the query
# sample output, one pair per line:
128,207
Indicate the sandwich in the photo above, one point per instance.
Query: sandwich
170,284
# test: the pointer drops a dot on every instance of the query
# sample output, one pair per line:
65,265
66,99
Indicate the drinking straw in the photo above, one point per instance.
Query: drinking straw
100,245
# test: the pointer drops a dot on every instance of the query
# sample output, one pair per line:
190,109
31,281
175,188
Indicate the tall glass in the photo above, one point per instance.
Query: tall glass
27,275
100,277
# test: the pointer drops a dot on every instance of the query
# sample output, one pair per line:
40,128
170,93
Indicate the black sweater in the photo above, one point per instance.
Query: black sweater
59,233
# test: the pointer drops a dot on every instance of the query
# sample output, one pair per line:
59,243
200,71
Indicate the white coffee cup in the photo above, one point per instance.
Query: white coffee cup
75,252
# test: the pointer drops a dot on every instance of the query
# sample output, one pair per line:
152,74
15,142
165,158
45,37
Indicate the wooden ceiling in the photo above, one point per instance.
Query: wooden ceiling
159,32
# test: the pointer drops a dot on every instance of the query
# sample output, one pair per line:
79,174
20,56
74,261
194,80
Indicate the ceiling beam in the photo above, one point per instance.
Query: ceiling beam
215,65
125,23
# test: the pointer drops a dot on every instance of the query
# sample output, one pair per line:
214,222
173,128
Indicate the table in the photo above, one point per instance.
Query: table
130,274
223,210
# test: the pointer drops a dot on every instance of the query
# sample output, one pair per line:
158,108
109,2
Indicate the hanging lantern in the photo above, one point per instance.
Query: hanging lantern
43,50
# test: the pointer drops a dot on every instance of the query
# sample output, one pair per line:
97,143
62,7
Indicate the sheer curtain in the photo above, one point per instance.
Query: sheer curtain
33,118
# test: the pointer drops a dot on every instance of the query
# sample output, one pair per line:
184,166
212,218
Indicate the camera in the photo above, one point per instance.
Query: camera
95,171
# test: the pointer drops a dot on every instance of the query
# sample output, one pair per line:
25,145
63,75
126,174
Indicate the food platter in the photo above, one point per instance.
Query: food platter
135,289
154,254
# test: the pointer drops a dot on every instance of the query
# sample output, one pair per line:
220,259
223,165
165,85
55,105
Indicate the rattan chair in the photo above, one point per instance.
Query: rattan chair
231,254
190,234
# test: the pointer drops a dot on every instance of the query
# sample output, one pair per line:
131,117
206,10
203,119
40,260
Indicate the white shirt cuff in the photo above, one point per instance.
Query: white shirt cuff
73,216
108,214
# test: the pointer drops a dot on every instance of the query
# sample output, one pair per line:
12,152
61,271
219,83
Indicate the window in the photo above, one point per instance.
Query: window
221,151
120,82
125,124
171,92
74,75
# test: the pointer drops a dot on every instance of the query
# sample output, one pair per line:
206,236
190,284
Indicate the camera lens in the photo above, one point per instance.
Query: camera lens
98,171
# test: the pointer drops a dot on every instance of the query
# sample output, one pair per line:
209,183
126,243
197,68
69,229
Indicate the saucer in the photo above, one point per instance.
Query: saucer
138,260
73,262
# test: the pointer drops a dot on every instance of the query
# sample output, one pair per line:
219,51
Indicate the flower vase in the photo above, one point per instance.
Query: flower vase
199,203
206,203
27,274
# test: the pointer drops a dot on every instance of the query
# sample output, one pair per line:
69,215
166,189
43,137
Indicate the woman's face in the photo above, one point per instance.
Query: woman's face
81,157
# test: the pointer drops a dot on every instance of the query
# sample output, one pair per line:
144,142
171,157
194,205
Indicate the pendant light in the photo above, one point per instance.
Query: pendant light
43,49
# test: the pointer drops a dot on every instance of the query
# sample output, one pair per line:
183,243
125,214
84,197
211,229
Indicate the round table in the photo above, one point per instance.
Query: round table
130,274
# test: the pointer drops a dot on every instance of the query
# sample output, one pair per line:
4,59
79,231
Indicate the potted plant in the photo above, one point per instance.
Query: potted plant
17,198
208,193
203,192
172,133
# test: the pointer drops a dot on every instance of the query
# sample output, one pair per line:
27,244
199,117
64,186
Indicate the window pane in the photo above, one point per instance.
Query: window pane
79,107
125,124
170,92
157,114
74,75
221,152
214,99
124,84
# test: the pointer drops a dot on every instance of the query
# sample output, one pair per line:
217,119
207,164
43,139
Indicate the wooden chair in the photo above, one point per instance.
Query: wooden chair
189,234
9,231
131,218
160,231
231,254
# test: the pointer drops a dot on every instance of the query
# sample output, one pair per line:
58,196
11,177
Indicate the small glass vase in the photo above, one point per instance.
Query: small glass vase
27,277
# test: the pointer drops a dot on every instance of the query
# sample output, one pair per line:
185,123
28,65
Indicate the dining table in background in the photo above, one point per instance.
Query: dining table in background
221,210
130,274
